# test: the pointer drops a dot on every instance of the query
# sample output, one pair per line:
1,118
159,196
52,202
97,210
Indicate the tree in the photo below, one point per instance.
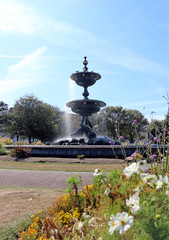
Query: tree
34,119
155,128
131,130
166,121
116,121
106,121
3,114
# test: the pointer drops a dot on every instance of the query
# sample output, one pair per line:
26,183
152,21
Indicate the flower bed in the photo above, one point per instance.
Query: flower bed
133,204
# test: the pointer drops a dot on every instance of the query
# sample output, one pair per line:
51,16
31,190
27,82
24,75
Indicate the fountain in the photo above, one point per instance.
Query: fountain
84,140
85,108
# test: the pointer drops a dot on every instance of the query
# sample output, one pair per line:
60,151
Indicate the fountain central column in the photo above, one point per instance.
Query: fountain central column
85,107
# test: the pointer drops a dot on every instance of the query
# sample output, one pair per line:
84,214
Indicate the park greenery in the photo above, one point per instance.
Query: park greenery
132,204
128,204
115,121
32,120
3,114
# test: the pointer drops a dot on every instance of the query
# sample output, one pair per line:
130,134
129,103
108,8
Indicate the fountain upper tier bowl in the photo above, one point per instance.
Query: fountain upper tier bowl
85,79
85,107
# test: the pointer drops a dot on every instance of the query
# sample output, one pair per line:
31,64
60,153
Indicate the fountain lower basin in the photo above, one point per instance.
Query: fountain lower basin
90,151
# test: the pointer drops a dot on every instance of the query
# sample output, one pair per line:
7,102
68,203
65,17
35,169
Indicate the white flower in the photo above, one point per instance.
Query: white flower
133,168
157,184
143,175
80,225
151,180
85,215
139,188
107,191
133,203
92,221
142,164
97,172
123,222
147,178
112,224
167,193
54,231
164,179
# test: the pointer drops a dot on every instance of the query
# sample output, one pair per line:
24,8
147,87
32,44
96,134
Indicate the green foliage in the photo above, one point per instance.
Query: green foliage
81,156
155,215
23,142
11,230
6,141
2,150
34,119
114,176
67,217
73,182
116,121
37,143
3,115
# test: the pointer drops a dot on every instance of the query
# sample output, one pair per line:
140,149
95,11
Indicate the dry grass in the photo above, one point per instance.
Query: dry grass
61,164
18,202
15,203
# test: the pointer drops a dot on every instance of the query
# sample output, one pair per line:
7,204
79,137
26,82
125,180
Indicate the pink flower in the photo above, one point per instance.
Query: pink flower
121,138
132,155
165,130
134,122
153,156
155,138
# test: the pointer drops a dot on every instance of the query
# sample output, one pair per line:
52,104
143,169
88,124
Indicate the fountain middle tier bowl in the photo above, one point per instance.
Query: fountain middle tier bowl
85,107
85,79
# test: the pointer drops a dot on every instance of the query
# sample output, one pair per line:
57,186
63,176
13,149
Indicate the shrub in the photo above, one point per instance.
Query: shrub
81,156
37,143
21,152
6,141
2,150
22,143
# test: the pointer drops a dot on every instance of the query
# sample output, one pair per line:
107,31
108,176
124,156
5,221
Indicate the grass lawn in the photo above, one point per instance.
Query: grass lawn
54,166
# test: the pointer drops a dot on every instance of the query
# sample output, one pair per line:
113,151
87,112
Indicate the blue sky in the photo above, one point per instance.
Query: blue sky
127,41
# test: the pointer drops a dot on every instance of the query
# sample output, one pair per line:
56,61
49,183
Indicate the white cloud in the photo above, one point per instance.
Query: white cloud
30,62
18,17
10,56
25,73
21,18
130,60
15,17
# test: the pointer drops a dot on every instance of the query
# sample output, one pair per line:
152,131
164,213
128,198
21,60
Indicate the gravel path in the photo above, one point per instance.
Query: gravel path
43,179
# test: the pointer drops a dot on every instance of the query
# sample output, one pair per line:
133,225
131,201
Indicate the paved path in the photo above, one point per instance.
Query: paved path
43,179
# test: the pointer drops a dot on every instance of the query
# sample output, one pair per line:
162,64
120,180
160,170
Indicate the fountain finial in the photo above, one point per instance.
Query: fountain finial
85,62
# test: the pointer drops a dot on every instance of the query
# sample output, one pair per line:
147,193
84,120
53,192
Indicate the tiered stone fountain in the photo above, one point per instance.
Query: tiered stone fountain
83,140
85,107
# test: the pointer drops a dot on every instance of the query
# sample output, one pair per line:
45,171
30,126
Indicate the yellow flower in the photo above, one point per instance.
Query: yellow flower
158,216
